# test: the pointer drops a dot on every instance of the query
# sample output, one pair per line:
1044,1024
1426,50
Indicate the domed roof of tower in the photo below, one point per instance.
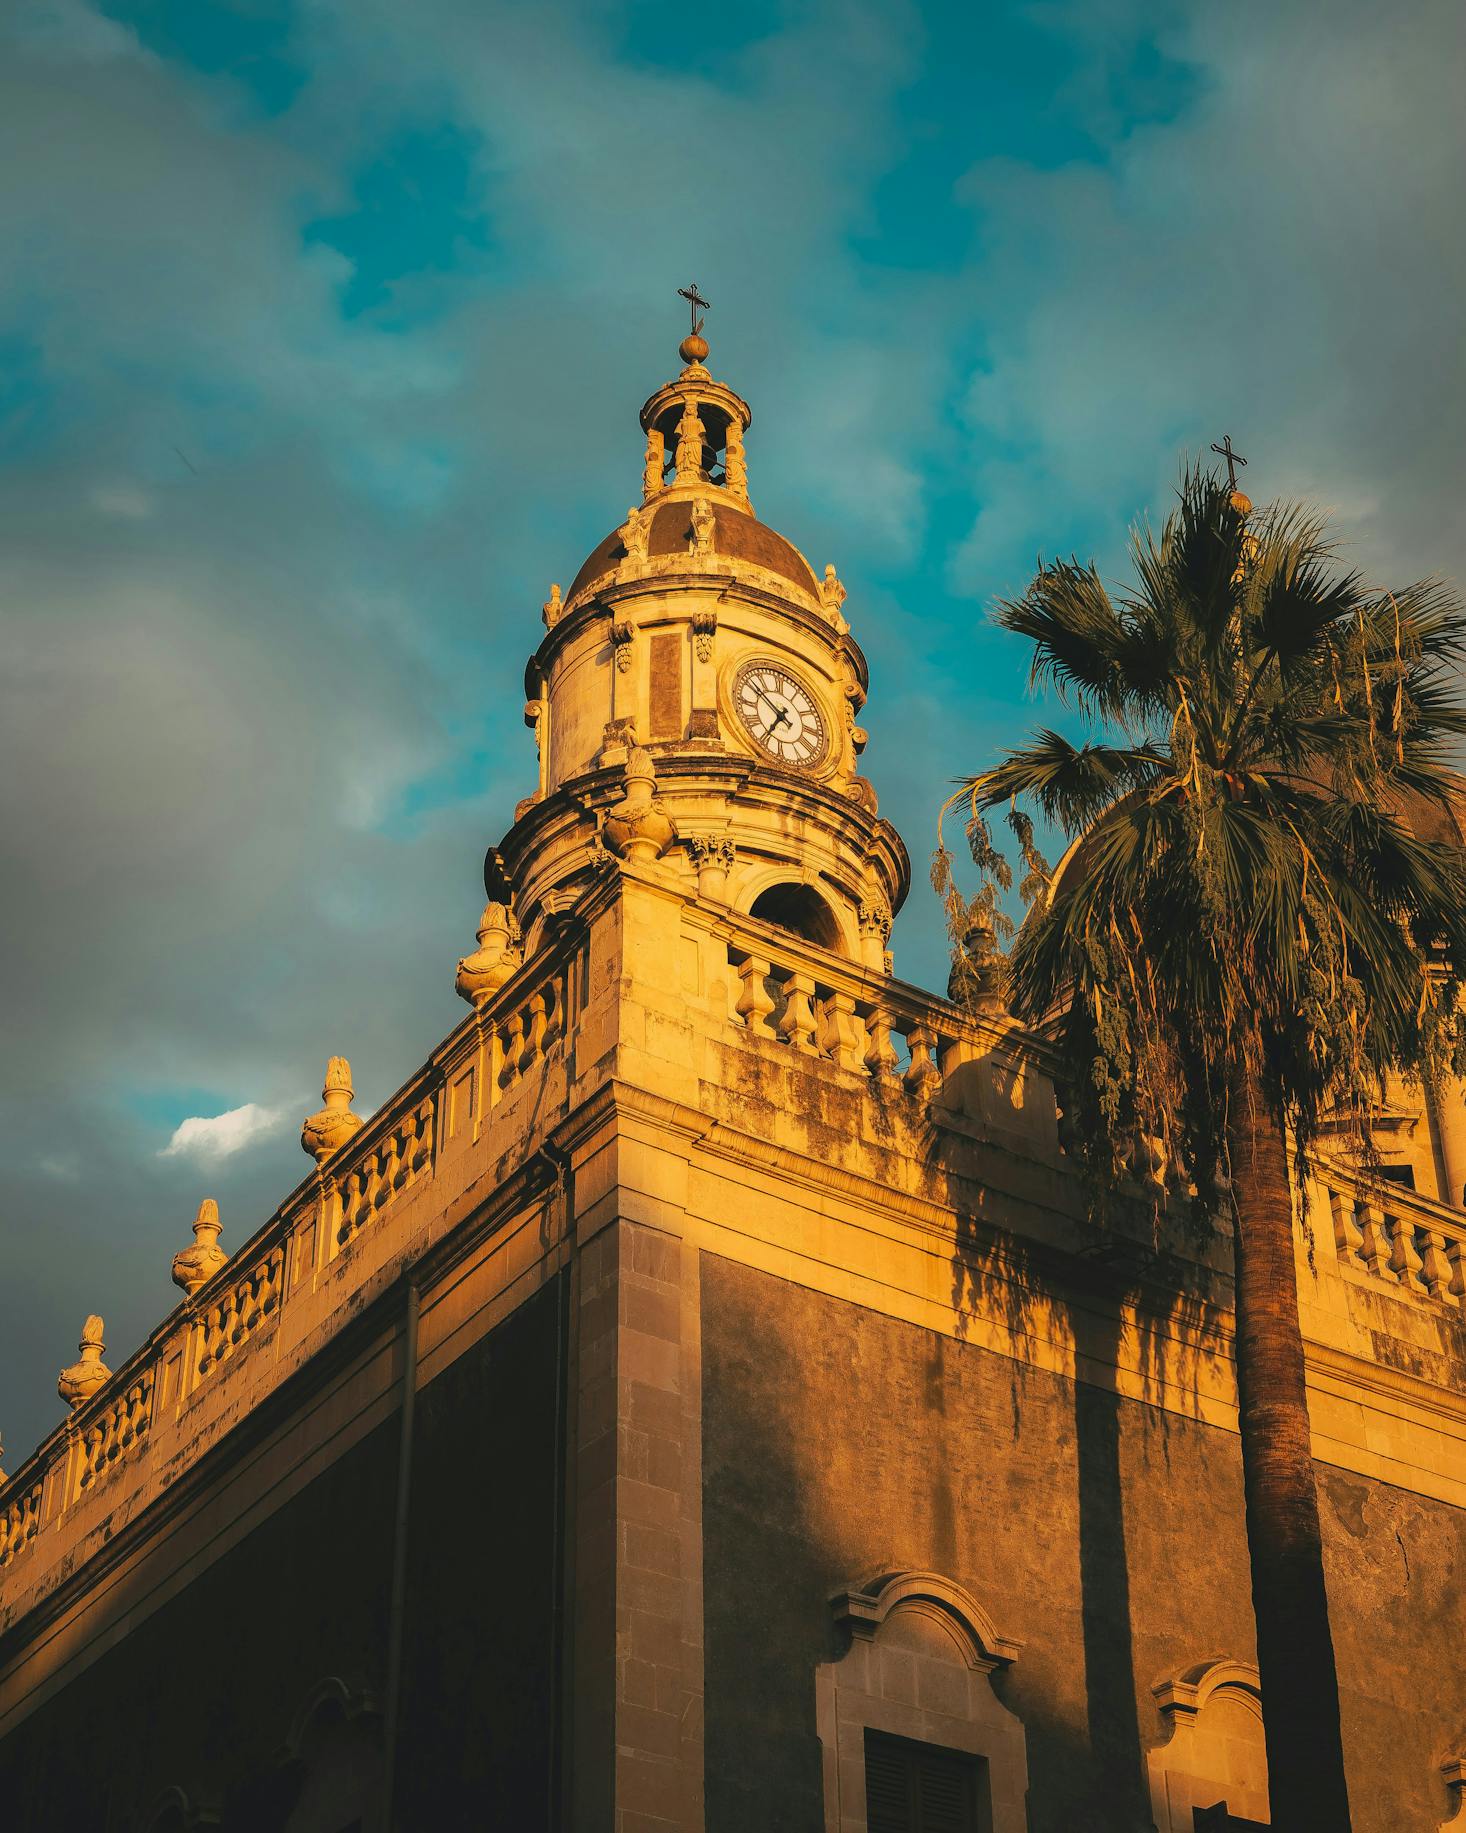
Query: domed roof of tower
739,535
695,500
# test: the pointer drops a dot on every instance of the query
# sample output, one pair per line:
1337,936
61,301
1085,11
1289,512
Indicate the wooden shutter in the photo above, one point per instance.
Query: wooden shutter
918,1788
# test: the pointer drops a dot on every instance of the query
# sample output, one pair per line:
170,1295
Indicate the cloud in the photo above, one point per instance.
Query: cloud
280,502
222,1135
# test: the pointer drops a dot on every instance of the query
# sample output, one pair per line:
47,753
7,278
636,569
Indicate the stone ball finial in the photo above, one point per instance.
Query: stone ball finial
499,955
77,1384
693,348
329,1130
1241,504
195,1266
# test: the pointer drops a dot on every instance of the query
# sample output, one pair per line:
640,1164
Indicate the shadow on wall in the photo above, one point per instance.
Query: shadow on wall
1092,1315
839,1444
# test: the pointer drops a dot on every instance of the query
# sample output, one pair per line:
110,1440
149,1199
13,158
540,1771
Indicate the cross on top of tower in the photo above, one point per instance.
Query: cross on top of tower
1224,450
694,347
695,300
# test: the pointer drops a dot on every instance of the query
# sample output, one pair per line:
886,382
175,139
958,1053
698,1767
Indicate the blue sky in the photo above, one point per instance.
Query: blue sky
323,328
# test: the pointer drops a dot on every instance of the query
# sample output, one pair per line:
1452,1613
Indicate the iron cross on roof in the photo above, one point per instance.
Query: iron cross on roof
1224,450
694,300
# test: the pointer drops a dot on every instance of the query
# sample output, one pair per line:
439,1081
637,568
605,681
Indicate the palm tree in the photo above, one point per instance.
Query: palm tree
1246,933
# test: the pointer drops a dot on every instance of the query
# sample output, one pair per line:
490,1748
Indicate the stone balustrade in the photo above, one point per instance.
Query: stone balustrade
115,1428
20,1517
387,1166
877,1028
310,1237
1404,1242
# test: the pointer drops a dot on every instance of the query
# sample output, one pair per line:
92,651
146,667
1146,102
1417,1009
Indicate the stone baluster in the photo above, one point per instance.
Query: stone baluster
512,1039
534,1034
1435,1268
755,1002
1456,1254
1405,1260
923,1078
1348,1236
880,1053
796,1021
1374,1245
838,1038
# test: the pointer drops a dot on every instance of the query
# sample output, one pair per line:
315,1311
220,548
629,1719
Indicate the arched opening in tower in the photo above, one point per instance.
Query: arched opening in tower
801,911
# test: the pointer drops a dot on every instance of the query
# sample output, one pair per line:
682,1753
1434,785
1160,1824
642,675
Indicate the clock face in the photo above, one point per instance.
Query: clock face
780,714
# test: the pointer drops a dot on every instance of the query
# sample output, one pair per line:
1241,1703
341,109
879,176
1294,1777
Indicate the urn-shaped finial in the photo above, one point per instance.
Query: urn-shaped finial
500,954
195,1266
976,979
329,1130
638,827
77,1384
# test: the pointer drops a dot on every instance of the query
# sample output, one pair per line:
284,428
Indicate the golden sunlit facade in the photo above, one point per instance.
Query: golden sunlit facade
696,1399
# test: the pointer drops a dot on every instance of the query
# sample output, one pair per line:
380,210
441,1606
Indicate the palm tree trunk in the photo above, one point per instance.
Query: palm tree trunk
1295,1651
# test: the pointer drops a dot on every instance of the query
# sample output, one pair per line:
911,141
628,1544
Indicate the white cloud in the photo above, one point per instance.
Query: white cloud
222,1135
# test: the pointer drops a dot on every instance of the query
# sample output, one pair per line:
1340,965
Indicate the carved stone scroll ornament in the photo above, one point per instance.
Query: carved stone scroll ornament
195,1266
552,610
77,1384
704,629
636,533
704,527
499,955
622,632
534,713
859,737
656,464
638,827
862,792
329,1130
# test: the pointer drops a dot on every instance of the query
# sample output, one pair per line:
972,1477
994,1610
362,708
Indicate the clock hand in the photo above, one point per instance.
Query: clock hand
783,712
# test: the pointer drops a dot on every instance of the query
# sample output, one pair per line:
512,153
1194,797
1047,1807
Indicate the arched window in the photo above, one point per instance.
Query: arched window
1214,1756
914,1737
802,911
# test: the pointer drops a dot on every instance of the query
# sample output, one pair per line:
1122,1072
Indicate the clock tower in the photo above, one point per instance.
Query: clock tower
695,702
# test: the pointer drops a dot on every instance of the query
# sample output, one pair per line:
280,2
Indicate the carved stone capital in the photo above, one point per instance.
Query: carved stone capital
713,855
195,1266
874,916
329,1130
